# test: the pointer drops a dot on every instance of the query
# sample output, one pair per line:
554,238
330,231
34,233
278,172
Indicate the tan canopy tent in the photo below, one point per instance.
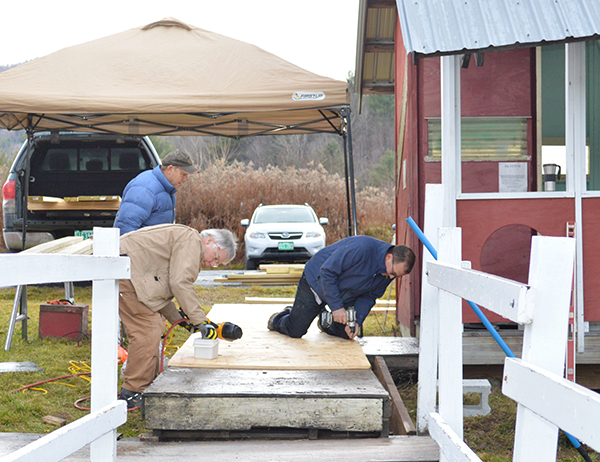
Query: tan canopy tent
171,78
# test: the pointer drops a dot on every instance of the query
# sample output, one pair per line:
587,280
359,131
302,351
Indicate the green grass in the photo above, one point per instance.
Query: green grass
23,411
491,437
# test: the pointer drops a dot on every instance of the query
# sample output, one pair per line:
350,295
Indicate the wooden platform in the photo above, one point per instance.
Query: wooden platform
260,348
268,383
393,449
480,348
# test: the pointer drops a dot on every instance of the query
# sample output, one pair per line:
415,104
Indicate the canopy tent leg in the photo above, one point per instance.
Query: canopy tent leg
349,172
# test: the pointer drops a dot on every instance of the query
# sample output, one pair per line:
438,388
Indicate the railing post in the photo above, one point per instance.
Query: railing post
105,334
450,337
428,329
545,339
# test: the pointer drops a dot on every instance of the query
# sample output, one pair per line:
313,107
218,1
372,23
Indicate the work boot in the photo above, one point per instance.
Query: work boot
133,399
270,324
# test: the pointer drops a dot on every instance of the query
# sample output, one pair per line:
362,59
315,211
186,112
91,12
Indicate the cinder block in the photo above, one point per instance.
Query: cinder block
483,388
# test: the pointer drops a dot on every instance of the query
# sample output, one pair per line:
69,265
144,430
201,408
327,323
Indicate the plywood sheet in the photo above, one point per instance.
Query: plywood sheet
260,348
94,205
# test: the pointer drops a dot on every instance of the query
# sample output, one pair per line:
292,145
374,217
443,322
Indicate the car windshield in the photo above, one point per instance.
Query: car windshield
284,215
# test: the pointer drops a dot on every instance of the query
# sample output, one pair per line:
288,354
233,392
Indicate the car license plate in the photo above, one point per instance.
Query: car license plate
286,246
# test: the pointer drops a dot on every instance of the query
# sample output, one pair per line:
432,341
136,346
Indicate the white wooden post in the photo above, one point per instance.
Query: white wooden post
575,140
66,440
451,133
104,268
450,344
428,329
452,447
545,339
572,407
105,333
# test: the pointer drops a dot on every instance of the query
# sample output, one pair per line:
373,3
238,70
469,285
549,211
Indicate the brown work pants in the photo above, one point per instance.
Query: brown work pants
144,329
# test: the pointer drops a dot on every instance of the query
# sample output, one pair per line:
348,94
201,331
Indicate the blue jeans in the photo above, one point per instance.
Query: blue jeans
295,323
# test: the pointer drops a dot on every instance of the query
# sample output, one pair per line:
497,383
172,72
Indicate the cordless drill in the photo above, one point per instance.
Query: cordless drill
326,319
351,318
227,330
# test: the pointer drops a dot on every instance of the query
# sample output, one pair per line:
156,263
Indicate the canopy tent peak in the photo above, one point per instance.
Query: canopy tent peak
168,22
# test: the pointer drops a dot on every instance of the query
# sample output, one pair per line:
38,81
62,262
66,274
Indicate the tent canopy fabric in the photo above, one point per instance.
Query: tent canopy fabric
170,78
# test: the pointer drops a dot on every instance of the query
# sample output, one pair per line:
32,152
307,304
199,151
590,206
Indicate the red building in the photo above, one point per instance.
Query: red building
511,99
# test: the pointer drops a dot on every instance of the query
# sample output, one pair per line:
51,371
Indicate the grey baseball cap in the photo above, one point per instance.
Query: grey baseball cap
180,159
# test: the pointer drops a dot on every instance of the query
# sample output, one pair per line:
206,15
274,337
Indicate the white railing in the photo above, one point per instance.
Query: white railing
546,401
104,268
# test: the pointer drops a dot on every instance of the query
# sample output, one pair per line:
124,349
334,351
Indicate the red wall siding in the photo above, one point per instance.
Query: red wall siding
407,193
479,219
591,263
501,87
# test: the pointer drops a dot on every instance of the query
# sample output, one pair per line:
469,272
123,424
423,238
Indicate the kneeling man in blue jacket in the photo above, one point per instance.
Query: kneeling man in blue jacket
353,272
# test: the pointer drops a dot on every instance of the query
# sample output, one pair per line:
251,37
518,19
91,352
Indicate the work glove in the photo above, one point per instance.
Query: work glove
207,330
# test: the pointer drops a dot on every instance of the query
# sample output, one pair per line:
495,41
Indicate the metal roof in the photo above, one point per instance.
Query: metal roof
374,73
444,27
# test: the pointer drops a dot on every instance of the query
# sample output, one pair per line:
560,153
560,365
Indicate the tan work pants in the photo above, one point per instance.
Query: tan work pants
144,329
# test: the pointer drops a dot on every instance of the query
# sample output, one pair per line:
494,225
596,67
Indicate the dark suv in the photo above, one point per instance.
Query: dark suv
73,181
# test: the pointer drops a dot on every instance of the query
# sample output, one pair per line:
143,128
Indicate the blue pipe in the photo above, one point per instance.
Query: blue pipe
474,307
486,322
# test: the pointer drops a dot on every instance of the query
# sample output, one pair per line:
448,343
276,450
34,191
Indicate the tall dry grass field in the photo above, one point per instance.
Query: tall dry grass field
222,195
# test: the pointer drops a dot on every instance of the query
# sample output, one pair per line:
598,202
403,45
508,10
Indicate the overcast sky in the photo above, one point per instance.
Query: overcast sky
317,35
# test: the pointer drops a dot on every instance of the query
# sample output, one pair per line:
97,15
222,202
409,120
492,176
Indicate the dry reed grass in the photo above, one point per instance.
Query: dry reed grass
221,195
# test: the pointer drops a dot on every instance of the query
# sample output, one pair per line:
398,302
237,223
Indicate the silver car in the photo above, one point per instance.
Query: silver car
283,233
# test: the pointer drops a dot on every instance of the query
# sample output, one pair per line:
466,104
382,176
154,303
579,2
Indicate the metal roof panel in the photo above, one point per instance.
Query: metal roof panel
450,26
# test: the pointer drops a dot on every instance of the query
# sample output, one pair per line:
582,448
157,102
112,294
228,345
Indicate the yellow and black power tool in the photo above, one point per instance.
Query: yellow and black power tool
227,330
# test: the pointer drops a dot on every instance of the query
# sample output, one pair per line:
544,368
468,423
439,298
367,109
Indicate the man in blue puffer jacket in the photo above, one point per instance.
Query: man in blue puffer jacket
149,199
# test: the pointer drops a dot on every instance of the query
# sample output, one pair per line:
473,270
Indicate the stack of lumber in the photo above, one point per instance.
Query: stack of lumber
380,305
38,203
268,275
70,245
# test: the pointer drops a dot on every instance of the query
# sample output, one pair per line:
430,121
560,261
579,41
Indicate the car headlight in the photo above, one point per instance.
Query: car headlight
313,234
256,235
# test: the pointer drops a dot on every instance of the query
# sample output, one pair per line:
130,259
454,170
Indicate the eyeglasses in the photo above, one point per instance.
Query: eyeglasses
216,259
392,274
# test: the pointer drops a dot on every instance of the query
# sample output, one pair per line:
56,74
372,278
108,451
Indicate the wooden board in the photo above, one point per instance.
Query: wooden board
93,199
219,399
391,304
398,448
91,205
282,269
479,347
400,421
260,348
70,245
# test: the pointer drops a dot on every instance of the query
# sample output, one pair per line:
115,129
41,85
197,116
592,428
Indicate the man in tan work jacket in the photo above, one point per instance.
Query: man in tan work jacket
165,262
